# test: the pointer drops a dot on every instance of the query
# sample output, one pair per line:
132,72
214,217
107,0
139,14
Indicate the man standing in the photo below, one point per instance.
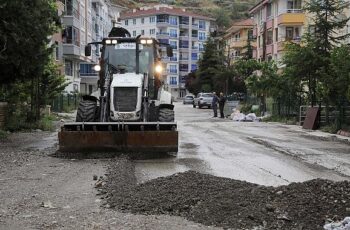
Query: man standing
222,101
214,104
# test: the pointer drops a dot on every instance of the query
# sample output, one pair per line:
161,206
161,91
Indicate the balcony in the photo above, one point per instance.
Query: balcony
173,84
163,35
163,23
172,71
291,17
194,37
184,48
238,44
173,59
71,49
184,25
184,60
195,26
183,37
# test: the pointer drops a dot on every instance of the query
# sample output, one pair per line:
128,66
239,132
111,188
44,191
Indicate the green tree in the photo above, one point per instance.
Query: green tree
25,26
222,17
210,66
329,19
52,83
262,82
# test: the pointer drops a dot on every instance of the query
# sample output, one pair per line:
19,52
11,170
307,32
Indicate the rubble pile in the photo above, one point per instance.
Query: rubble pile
230,203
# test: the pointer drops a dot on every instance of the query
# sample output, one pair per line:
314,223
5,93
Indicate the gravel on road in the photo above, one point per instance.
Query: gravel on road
228,203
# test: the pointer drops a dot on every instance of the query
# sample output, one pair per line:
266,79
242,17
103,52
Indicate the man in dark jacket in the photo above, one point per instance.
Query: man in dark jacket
222,101
214,104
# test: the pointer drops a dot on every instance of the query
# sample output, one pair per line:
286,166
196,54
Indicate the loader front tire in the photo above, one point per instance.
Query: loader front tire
166,115
87,111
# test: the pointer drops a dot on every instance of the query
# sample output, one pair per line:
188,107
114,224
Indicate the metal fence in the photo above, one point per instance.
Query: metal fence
341,116
65,103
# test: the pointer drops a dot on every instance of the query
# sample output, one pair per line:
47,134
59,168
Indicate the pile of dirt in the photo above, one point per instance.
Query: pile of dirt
229,203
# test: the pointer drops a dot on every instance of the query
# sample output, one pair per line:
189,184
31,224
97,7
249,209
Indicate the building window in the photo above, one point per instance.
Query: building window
201,47
71,35
86,69
142,32
152,19
174,57
269,10
152,31
237,37
269,37
134,21
250,35
184,67
126,22
289,33
134,33
202,36
173,44
194,56
173,81
142,20
276,35
68,67
194,67
293,5
57,51
173,33
173,68
173,20
201,25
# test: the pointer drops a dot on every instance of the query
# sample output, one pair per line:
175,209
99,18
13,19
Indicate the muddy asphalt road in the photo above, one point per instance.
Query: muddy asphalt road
42,192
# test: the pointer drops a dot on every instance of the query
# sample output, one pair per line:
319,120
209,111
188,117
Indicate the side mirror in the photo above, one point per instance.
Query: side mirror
88,50
169,51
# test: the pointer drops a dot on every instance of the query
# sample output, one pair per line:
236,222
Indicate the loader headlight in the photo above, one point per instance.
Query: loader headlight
146,41
108,41
159,68
97,68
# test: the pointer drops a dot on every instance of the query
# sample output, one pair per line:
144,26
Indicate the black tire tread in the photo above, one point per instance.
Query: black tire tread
166,115
86,111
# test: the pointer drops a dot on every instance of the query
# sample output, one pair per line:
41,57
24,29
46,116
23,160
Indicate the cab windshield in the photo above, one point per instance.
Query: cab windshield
123,56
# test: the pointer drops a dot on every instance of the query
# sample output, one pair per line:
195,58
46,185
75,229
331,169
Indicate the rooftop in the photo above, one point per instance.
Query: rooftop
247,23
161,9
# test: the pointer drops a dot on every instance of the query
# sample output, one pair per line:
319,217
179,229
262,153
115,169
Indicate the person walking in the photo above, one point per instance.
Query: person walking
214,104
222,100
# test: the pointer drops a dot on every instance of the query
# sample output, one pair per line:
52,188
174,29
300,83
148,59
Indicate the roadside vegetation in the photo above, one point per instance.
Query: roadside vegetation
29,75
307,75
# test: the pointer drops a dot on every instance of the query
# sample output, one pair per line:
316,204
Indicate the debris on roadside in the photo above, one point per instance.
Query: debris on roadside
342,225
228,203
250,117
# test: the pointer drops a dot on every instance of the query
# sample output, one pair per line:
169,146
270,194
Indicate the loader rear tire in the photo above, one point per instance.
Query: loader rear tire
166,115
87,111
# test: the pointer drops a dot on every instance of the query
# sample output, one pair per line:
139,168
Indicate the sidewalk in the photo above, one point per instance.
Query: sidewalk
319,134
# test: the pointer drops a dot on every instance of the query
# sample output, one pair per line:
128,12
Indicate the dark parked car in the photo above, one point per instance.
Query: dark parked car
188,99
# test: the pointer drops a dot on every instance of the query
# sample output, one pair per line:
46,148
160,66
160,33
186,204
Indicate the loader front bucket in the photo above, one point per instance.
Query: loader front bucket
143,137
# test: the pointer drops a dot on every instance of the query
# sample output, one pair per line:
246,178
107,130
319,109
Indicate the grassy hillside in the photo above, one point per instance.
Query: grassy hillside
233,9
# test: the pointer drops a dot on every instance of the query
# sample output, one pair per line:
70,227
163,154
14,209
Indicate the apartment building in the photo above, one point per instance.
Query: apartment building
56,41
276,22
237,37
84,21
185,31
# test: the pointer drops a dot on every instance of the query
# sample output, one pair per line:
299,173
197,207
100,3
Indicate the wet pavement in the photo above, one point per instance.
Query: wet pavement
262,153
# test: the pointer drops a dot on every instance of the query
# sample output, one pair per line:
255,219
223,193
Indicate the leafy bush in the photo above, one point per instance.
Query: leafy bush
245,108
332,128
3,134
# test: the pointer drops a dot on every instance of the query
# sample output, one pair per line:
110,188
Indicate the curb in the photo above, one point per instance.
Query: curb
343,133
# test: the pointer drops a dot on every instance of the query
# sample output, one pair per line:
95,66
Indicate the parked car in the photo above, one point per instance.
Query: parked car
203,100
188,99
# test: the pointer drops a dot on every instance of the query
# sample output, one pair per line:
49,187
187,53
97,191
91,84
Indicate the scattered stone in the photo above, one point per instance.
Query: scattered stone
95,177
227,203
47,204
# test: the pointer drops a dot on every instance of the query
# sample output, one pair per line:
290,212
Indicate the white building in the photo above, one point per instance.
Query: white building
185,31
84,21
